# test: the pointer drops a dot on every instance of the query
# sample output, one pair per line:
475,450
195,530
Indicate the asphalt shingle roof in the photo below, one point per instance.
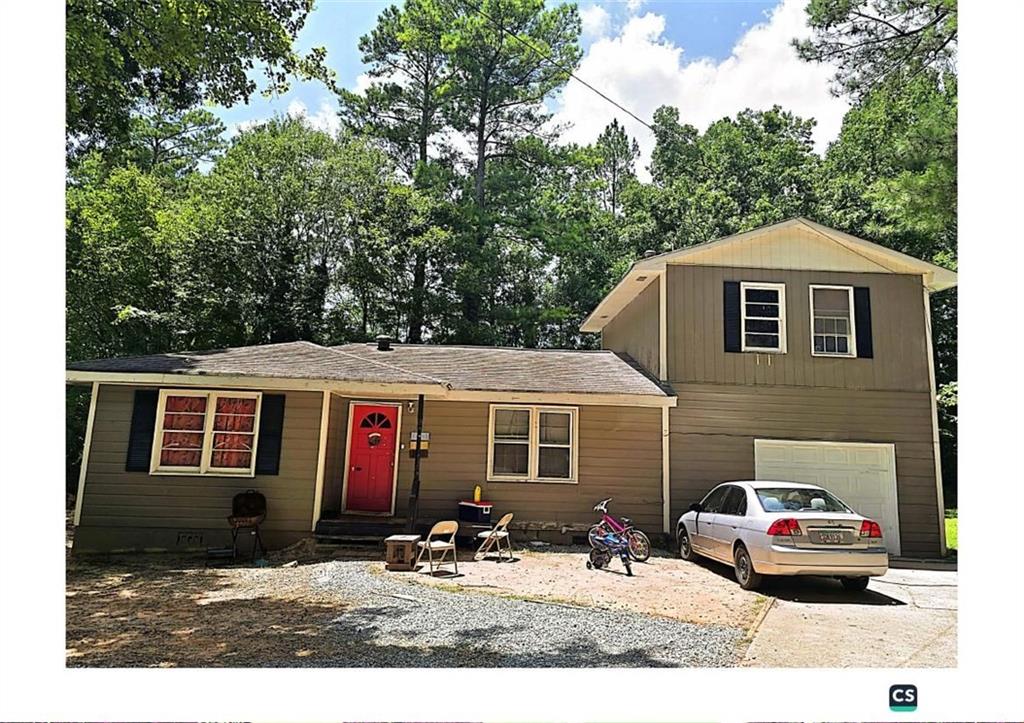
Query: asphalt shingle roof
291,360
518,370
470,368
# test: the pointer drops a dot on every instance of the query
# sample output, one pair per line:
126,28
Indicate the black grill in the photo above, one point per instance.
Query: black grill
248,510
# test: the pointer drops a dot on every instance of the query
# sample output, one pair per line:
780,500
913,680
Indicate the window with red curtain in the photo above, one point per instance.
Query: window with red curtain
184,427
207,432
234,433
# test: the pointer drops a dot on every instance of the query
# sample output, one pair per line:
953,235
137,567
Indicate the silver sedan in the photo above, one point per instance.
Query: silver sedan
783,528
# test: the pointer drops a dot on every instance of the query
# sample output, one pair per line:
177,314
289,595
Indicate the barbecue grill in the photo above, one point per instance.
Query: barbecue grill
248,510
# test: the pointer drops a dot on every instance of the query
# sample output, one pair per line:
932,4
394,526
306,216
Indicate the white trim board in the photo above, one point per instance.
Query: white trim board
80,496
368,390
321,459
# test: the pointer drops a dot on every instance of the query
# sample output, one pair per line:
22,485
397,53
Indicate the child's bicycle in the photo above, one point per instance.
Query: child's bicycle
606,546
638,544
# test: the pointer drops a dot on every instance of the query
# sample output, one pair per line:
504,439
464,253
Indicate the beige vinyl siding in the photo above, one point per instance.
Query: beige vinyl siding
619,456
696,348
635,329
136,509
713,431
791,247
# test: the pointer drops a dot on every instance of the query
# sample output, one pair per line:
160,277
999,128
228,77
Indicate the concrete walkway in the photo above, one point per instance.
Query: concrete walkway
907,618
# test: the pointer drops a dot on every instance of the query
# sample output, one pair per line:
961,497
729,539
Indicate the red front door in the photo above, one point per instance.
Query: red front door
371,458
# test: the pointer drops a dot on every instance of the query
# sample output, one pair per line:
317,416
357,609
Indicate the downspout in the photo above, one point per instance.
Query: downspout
666,486
414,492
666,467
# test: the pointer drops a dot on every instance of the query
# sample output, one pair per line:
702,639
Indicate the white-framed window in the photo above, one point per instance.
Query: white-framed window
529,443
833,330
763,315
206,432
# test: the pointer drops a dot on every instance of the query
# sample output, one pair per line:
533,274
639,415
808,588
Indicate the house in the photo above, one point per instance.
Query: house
792,351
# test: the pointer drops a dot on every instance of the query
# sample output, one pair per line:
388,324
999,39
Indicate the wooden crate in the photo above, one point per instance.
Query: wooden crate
400,552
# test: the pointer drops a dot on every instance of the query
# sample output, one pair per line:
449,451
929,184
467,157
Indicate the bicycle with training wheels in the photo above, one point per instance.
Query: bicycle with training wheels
638,544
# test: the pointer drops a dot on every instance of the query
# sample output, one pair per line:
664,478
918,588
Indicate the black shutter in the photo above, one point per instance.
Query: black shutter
862,320
732,316
140,438
268,447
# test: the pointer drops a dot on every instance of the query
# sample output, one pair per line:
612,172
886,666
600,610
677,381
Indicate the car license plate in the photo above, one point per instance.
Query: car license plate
831,538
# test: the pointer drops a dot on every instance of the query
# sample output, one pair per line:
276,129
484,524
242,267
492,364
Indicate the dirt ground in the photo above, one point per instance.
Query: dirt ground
155,610
167,611
665,586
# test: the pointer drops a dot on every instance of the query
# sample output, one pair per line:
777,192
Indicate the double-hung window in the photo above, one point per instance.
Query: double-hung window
206,432
763,314
832,322
532,443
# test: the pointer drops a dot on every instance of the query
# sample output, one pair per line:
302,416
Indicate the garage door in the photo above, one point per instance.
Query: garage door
862,475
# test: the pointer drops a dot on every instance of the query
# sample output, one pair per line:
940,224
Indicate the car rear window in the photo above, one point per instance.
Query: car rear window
799,499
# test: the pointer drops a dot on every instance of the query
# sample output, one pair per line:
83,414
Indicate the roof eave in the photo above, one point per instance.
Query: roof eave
245,381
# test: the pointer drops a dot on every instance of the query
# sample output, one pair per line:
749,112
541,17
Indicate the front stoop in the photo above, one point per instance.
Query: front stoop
358,529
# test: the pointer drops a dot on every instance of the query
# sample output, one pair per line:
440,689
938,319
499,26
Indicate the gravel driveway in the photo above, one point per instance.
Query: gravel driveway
160,611
395,623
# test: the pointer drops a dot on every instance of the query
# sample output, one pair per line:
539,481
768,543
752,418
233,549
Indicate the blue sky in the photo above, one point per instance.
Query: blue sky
710,58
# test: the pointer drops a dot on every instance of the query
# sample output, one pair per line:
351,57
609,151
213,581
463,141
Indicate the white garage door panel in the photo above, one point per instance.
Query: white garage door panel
862,475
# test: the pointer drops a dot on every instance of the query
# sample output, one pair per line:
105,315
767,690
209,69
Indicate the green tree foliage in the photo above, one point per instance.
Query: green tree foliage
507,57
407,102
741,173
403,110
618,153
874,42
120,53
170,142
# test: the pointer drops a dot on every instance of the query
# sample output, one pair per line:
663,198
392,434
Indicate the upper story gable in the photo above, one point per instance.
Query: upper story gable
795,303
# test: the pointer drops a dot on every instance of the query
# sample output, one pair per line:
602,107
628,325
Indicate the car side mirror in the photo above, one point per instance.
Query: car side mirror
696,507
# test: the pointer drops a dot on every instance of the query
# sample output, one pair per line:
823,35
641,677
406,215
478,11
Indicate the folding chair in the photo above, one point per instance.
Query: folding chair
430,545
493,538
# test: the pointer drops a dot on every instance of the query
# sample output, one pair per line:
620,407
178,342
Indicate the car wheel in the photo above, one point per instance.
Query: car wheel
746,576
685,549
855,584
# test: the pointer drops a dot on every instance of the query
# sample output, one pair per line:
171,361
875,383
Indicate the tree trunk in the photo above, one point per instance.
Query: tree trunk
471,296
416,310
419,272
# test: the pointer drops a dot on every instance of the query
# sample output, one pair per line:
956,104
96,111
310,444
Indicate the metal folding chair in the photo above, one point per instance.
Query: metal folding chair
447,528
493,539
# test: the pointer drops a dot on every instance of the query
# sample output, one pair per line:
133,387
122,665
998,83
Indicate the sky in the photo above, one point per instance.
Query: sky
709,58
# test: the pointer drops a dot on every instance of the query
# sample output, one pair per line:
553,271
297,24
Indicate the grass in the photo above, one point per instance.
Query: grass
951,529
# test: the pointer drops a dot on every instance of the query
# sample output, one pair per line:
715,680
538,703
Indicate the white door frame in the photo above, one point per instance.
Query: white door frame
894,549
348,443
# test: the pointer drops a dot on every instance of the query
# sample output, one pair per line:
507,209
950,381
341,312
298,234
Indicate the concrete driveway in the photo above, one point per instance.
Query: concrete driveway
905,619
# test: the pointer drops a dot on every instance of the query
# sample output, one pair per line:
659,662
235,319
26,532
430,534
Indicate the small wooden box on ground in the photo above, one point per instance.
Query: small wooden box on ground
401,552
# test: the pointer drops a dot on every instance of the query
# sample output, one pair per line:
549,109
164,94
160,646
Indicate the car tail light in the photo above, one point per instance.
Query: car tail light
870,528
786,526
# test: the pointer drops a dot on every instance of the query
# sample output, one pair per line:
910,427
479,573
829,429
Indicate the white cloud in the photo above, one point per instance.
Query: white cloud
595,21
325,119
642,70
633,5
